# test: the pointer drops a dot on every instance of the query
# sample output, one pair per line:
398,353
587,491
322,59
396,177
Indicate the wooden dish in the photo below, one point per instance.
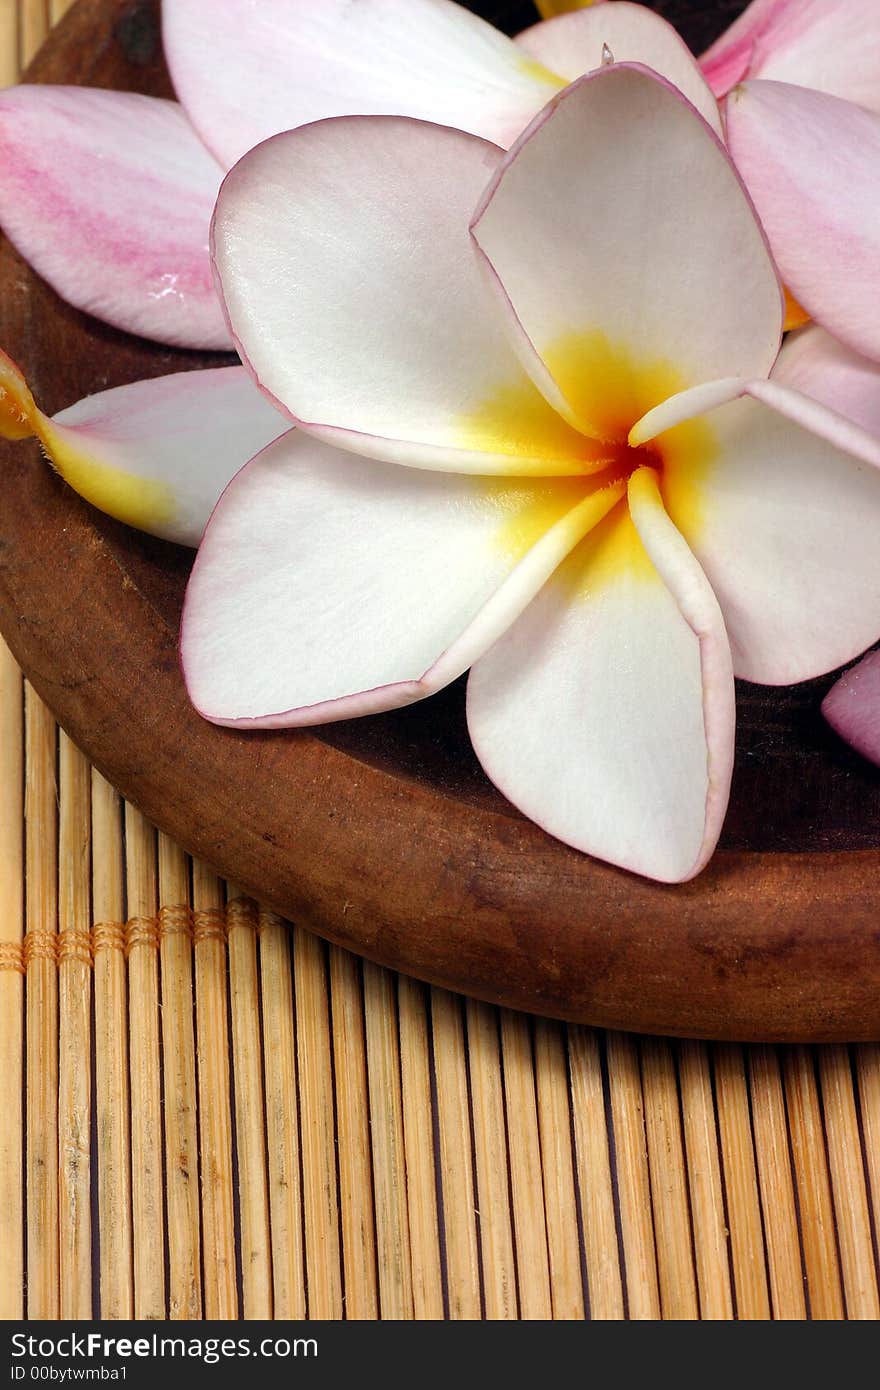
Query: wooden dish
382,834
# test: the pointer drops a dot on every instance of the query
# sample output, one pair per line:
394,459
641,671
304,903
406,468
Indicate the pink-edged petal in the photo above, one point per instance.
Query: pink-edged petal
659,277
246,71
353,291
109,196
812,166
729,58
830,45
156,454
574,44
817,365
780,503
606,712
329,585
852,707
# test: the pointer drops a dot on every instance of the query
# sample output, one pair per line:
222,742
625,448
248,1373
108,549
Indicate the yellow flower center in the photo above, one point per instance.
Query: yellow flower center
607,390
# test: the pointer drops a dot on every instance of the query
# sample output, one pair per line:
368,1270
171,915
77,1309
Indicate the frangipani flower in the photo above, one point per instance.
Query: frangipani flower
545,449
156,454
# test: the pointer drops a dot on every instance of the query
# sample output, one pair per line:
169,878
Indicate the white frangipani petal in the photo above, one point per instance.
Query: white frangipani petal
573,44
660,277
108,195
246,71
362,308
156,454
606,712
781,507
329,585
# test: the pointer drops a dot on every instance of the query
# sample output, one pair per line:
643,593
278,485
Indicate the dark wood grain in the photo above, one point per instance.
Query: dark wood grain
382,834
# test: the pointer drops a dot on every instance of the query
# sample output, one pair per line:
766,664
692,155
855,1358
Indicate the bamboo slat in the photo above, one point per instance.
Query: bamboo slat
557,1171
669,1199
741,1185
314,1060
813,1187
112,1091
33,26
219,1288
353,1130
247,1068
848,1184
386,1133
179,1085
41,1041
589,1116
11,986
636,1217
75,1022
9,56
777,1188
524,1153
456,1163
868,1074
490,1160
147,1168
418,1137
282,1119
704,1181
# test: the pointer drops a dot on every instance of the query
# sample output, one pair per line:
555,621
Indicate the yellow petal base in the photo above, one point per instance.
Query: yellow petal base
18,413
142,502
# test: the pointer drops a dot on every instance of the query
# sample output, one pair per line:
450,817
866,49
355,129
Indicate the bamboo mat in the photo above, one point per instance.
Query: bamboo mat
209,1113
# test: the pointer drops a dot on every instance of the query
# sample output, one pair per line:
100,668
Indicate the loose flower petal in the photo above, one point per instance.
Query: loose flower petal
606,712
659,276
574,44
353,291
729,59
329,586
830,45
785,526
852,707
817,365
156,454
109,196
812,165
246,71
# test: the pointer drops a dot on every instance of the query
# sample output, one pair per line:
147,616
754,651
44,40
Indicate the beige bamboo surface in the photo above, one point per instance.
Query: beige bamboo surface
209,1113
